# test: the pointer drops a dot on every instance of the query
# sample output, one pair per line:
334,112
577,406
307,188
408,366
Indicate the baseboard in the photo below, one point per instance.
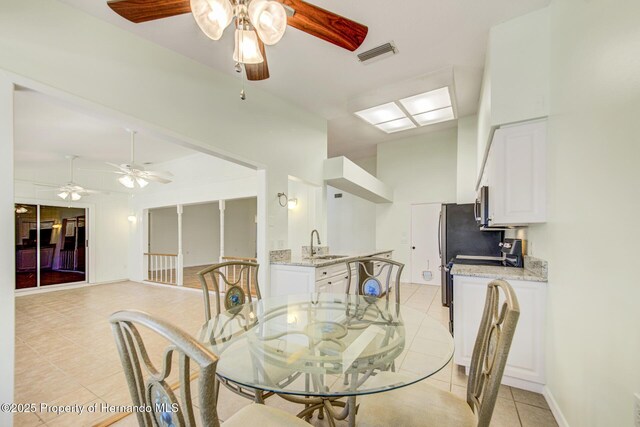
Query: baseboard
555,408
62,287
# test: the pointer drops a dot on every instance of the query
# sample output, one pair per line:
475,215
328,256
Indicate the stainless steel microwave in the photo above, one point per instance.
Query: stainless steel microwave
481,209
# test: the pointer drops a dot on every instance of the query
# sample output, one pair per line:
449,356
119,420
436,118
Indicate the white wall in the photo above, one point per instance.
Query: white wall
592,234
163,230
308,215
420,169
370,164
7,260
240,228
467,172
201,234
351,223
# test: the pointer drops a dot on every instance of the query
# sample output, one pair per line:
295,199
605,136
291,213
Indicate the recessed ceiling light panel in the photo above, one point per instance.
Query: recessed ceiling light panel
428,101
381,113
433,117
396,125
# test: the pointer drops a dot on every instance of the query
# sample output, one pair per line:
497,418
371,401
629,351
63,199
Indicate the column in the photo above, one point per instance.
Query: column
7,249
179,267
222,206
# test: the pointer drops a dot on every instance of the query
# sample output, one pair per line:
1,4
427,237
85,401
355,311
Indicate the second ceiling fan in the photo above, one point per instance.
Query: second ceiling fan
257,22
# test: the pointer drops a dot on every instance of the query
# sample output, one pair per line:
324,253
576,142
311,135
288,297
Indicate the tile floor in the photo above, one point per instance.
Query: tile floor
65,353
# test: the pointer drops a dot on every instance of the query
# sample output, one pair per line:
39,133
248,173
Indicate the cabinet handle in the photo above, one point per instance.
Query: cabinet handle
329,283
324,272
346,277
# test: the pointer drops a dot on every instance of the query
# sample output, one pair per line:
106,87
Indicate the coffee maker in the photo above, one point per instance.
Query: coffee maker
512,252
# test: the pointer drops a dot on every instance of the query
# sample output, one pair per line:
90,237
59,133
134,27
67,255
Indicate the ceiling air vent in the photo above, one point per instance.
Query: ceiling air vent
378,52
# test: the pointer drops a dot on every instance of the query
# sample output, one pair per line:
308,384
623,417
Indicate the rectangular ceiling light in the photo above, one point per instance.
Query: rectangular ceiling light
433,117
396,125
381,113
428,101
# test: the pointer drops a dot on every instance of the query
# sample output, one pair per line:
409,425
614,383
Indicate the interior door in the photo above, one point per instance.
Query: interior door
425,258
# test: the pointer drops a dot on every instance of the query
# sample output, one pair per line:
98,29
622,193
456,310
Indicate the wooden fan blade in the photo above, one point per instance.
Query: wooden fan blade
258,71
326,25
148,10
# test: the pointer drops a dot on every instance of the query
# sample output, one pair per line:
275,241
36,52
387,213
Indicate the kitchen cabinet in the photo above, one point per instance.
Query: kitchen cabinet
516,173
525,365
515,84
296,278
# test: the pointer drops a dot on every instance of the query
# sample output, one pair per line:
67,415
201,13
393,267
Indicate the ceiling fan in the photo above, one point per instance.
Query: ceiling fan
70,190
132,174
258,22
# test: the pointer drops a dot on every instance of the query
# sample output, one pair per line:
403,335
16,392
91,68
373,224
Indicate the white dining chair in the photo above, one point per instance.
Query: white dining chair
424,405
148,385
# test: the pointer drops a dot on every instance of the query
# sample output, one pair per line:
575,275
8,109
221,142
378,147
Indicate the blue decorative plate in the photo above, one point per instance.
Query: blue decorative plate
372,287
234,297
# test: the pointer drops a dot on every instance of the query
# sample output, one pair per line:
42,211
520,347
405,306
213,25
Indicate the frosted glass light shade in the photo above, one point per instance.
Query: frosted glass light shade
433,117
127,181
381,113
142,182
63,195
75,196
396,125
212,16
269,19
428,101
247,50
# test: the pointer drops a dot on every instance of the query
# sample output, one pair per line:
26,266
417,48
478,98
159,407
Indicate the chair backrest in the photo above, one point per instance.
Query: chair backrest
237,278
491,349
148,385
371,280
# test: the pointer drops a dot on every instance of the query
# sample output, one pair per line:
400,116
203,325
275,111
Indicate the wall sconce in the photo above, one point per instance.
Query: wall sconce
284,201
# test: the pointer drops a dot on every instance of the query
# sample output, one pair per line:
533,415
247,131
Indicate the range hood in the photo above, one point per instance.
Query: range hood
343,174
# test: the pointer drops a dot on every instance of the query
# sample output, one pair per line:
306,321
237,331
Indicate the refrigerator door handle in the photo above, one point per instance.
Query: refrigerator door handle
440,237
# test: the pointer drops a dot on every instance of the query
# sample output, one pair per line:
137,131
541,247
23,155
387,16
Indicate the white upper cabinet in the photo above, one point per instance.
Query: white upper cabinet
515,85
516,175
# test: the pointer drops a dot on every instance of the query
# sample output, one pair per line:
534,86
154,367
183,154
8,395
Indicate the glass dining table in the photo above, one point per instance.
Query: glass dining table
324,350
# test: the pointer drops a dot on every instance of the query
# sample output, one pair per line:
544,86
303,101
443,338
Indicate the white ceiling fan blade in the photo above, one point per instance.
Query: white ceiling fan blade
158,173
47,185
156,179
120,167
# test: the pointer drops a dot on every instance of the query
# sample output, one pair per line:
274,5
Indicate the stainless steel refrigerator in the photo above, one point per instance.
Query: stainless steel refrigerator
459,234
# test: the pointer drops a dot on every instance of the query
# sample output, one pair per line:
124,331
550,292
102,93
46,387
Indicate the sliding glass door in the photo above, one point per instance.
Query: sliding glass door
50,245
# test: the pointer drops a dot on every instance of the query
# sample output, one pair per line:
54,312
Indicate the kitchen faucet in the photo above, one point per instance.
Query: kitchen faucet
311,251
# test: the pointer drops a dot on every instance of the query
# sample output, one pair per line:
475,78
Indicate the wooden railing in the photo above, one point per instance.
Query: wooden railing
162,268
233,272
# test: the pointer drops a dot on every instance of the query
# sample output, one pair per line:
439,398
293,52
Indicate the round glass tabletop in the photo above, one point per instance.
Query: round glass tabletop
326,344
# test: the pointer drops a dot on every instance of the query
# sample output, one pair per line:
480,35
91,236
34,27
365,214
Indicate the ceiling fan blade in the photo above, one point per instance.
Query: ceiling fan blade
258,71
148,10
120,168
326,25
157,173
156,179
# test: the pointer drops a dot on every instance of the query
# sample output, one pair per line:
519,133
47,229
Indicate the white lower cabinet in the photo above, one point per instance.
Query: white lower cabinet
525,365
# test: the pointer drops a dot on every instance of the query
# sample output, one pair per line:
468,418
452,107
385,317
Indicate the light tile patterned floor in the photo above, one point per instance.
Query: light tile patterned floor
65,353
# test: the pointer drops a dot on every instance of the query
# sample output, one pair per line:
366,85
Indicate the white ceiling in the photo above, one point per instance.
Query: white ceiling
432,36
46,130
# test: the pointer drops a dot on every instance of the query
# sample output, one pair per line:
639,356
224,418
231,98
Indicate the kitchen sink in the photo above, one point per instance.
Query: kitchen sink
329,257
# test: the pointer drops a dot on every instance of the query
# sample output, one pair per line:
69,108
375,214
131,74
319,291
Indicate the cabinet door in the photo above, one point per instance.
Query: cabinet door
333,285
526,356
518,175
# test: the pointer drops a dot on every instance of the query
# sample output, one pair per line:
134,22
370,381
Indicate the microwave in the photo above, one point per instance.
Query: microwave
481,208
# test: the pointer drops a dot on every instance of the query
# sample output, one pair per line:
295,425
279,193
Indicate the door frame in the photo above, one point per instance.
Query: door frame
89,233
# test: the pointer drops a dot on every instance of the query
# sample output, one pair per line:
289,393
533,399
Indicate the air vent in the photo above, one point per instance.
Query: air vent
379,52
337,196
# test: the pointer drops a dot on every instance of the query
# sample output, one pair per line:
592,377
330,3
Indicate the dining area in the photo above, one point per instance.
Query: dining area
364,357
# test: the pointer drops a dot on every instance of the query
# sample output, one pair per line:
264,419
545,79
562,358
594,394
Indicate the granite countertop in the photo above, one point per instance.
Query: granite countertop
313,263
497,272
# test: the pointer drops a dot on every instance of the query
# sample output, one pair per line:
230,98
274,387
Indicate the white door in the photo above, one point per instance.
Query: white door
425,259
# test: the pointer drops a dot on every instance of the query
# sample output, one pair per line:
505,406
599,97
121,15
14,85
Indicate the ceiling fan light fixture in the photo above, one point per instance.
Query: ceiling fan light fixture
269,19
63,195
142,182
212,16
127,181
247,50
75,196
